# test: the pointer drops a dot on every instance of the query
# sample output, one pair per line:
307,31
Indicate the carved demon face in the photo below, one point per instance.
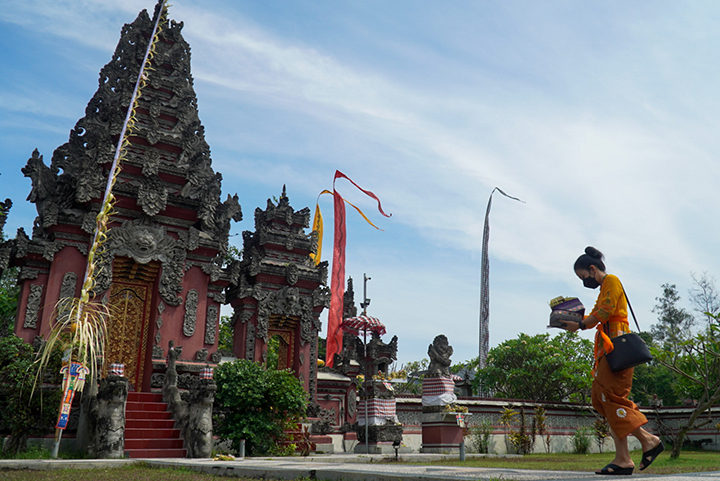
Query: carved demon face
144,242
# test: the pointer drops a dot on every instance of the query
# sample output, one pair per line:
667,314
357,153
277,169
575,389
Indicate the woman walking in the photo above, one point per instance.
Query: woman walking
610,390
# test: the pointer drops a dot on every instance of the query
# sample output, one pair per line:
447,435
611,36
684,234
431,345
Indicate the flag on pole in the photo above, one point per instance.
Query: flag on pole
337,279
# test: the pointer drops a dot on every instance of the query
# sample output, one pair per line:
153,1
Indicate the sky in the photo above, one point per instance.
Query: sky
601,116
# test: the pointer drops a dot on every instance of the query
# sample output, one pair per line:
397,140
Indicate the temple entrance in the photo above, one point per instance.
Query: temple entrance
130,302
281,335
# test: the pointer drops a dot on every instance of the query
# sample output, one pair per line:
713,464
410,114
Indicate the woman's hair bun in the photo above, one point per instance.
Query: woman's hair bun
594,253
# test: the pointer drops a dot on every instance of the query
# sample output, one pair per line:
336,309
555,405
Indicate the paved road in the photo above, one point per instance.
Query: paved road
350,467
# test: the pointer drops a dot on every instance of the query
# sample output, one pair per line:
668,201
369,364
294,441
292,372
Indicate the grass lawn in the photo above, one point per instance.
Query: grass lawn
126,473
688,462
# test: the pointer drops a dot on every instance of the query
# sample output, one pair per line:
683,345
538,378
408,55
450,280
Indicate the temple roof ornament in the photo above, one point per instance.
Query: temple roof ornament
168,164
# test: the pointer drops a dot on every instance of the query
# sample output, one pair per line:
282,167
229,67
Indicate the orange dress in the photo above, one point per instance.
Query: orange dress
610,390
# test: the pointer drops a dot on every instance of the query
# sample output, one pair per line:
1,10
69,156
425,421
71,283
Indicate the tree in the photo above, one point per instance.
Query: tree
539,368
23,415
257,405
225,334
697,361
674,323
9,292
704,296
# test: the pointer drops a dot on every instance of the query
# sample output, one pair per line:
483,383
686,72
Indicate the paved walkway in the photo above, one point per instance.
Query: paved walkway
344,467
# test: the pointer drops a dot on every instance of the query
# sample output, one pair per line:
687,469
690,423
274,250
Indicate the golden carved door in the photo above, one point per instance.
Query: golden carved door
130,301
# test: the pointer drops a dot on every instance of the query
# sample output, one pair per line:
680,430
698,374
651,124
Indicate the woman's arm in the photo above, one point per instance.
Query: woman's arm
589,322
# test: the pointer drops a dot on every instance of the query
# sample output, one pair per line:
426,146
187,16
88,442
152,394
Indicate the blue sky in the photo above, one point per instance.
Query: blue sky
601,116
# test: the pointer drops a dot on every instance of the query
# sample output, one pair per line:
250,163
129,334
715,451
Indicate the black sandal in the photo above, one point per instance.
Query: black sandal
617,470
650,455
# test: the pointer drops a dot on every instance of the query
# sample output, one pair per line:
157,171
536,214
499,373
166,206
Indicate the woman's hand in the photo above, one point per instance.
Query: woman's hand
571,326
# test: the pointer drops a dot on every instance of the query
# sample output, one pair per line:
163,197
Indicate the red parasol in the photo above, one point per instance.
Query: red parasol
364,324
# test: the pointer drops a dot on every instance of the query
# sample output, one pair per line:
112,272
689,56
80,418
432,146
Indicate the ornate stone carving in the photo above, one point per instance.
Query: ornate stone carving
191,306
218,297
199,430
110,427
4,211
44,188
152,195
157,380
88,222
351,403
144,242
439,352
157,352
291,273
250,342
211,324
33,306
69,285
151,162
28,273
216,357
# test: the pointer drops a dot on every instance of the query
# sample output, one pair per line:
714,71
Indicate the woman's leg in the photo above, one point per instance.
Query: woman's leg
647,440
622,455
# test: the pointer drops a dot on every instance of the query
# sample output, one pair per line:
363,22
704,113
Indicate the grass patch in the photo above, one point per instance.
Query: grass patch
125,473
688,462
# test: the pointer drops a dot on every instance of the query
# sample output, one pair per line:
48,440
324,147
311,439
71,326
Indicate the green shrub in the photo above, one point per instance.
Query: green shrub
257,405
480,435
20,415
581,441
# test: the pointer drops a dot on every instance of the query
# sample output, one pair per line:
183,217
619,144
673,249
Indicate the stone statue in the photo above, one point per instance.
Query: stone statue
199,439
439,352
110,428
194,418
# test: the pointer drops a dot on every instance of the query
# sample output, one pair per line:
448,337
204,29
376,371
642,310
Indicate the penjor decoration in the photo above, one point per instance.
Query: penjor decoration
73,381
337,280
484,341
81,322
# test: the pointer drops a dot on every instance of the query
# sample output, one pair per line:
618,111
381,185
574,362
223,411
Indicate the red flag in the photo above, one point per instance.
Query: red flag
337,285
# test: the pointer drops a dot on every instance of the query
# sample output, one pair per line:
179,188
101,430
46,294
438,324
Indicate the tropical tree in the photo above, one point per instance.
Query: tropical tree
674,323
539,368
697,363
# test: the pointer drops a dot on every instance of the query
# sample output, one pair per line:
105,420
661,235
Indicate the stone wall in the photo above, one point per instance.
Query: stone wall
563,419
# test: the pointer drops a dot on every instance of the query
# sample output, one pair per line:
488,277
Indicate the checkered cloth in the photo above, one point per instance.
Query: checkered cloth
435,386
117,369
206,373
381,408
438,391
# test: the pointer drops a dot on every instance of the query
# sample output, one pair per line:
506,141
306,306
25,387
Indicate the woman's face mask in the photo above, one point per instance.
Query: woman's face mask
590,282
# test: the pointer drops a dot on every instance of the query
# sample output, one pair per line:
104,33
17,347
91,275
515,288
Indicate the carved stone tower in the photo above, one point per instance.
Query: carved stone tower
277,290
162,265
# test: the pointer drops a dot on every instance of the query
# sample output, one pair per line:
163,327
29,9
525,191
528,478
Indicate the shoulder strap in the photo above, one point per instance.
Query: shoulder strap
630,307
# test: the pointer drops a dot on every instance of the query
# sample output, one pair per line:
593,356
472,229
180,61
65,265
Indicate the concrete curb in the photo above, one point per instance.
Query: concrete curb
338,467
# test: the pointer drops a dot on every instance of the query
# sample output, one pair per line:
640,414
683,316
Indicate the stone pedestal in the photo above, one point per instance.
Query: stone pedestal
382,427
442,432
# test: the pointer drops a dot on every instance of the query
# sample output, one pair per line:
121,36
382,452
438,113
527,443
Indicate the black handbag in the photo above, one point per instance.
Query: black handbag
630,349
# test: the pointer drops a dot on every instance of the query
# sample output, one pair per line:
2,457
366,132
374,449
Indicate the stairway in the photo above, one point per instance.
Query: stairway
150,429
